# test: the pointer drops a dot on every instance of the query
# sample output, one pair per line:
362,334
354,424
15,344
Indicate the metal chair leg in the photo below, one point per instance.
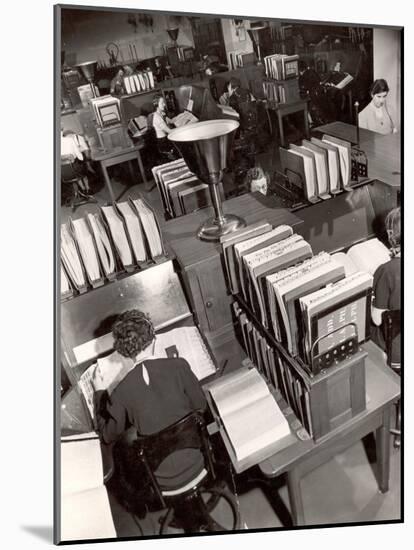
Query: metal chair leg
396,432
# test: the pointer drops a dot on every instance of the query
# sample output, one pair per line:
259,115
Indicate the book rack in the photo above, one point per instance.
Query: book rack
322,401
290,186
120,270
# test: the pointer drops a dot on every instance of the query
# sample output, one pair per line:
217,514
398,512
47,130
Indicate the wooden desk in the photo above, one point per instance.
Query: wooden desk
383,389
383,151
112,158
284,109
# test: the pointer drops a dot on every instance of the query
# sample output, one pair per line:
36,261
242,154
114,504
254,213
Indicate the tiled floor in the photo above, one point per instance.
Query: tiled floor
341,491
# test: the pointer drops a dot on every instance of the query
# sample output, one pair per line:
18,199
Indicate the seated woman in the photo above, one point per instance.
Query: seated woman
156,393
376,116
74,155
162,126
387,285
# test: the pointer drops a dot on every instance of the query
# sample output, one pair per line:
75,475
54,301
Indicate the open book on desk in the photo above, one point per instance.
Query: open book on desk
366,256
85,508
184,118
252,425
227,110
185,342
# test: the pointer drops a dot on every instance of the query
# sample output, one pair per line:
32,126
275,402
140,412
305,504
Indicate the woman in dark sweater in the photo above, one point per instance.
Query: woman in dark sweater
387,285
156,393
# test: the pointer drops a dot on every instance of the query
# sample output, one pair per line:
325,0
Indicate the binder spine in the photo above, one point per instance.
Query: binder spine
95,283
118,260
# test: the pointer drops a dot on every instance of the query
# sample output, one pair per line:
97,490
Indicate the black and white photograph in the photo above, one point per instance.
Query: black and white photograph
228,240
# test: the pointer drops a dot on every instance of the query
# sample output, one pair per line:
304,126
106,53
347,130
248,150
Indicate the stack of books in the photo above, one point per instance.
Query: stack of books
107,110
182,192
142,81
281,66
239,58
274,271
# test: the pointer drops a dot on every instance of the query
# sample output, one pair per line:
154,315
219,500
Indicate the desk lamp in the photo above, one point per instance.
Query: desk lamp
173,34
88,70
205,147
254,33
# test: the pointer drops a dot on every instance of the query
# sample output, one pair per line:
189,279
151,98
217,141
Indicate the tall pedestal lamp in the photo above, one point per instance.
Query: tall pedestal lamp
205,147
88,70
254,34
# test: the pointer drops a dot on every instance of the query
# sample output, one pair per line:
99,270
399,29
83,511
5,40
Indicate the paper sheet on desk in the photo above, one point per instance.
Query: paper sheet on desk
85,509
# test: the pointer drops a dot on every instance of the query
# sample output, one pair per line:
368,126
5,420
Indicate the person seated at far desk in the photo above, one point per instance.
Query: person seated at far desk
75,155
155,394
387,285
376,116
235,95
162,125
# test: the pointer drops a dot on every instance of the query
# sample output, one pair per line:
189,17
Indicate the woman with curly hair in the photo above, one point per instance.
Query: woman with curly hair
156,393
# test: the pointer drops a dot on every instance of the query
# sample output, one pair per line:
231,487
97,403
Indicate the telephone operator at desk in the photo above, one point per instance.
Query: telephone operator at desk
387,285
156,393
376,116
162,125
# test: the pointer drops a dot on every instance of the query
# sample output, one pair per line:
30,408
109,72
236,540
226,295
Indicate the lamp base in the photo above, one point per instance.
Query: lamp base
211,230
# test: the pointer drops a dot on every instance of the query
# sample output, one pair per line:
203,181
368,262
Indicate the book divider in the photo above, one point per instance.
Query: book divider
324,400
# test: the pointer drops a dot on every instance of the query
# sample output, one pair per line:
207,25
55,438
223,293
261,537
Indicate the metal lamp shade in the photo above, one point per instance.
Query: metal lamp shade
173,34
205,147
88,70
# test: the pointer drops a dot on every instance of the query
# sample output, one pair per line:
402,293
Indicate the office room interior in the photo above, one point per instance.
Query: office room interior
229,209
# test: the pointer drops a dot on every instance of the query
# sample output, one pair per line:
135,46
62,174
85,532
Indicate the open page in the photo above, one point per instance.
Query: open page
346,262
369,255
184,118
256,426
190,346
237,390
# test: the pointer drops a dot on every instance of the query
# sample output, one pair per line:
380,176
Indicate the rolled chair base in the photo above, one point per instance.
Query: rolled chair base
212,230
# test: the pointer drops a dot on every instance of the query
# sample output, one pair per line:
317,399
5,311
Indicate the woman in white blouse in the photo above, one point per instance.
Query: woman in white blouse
376,116
162,125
